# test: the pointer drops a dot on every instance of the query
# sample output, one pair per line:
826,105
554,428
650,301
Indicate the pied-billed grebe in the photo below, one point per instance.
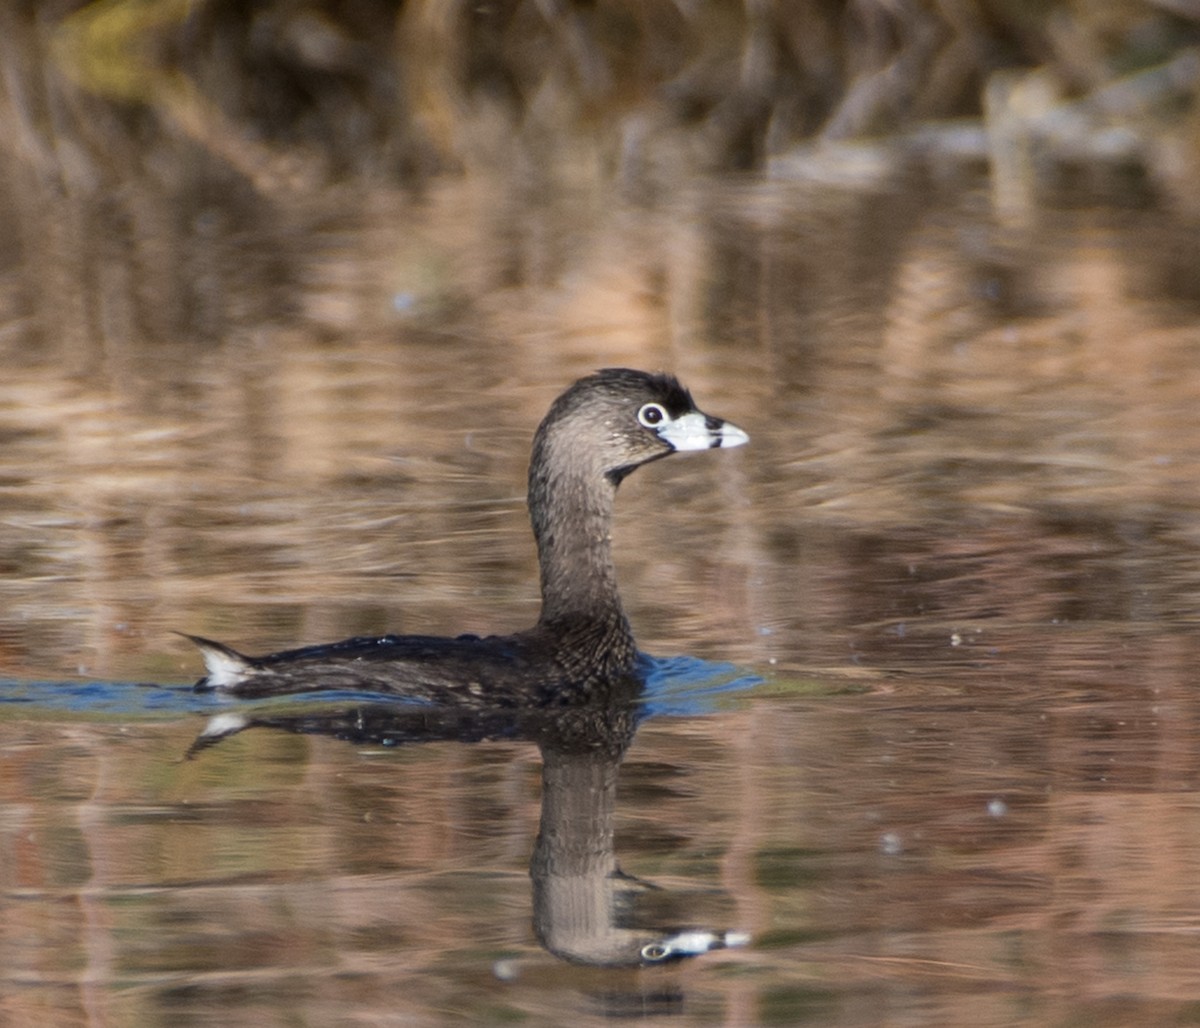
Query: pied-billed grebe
595,434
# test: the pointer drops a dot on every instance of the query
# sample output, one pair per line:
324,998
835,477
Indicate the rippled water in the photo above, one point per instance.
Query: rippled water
931,737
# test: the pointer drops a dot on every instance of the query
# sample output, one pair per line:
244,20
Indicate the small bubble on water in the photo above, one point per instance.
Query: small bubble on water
997,807
506,970
890,844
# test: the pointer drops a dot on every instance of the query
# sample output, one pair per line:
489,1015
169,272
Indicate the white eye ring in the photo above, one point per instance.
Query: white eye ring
655,950
652,415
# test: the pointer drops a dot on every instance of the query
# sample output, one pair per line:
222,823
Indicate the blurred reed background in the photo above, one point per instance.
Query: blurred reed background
160,156
408,90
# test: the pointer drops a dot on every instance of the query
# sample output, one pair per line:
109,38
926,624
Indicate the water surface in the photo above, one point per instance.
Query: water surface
943,770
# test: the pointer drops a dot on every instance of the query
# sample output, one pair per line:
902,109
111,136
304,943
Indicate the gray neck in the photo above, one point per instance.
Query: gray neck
571,509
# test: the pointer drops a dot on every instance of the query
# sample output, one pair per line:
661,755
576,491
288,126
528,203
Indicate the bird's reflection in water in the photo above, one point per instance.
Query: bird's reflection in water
585,909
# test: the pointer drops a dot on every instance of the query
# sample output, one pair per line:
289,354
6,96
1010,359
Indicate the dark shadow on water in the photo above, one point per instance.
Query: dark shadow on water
586,910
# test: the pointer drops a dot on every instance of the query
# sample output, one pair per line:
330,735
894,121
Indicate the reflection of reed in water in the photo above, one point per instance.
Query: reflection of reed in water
1032,371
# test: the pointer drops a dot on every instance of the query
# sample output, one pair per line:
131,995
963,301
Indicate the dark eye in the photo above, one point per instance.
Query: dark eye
652,414
654,950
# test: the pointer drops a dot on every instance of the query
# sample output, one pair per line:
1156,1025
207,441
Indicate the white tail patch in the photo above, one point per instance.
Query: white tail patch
226,667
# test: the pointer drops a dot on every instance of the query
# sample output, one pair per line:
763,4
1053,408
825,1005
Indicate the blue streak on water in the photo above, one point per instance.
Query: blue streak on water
105,698
675,686
690,687
139,699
